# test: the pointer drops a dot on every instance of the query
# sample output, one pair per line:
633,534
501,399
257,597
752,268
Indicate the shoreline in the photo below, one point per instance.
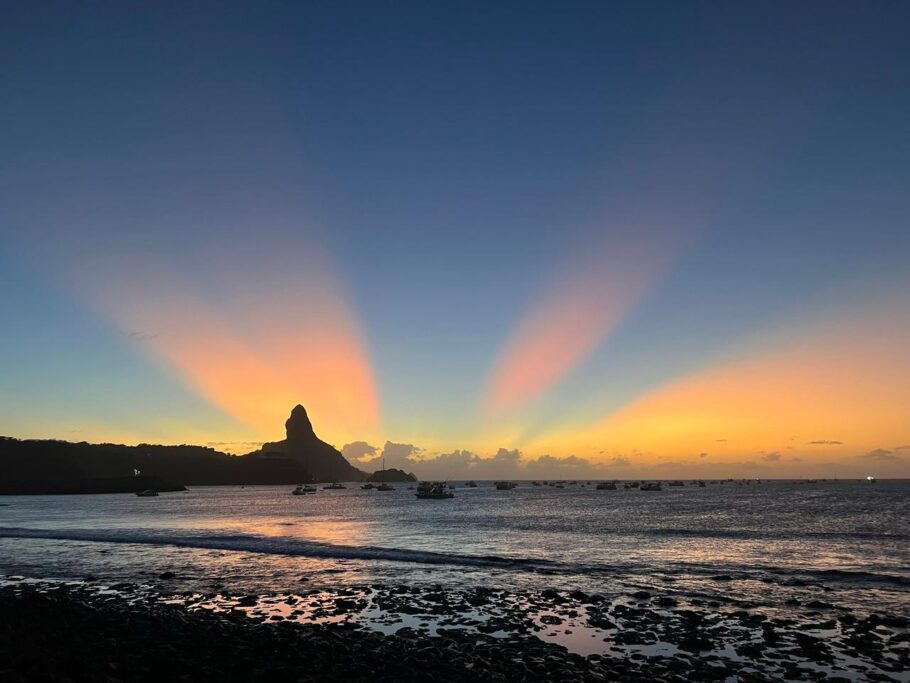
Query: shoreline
131,631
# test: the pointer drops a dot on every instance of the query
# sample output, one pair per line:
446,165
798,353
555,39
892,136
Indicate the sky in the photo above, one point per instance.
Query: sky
509,239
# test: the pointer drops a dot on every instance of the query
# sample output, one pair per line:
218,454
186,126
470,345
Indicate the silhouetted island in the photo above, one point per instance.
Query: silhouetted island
52,467
391,474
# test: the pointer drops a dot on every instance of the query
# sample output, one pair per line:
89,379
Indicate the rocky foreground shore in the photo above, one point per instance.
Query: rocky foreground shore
85,632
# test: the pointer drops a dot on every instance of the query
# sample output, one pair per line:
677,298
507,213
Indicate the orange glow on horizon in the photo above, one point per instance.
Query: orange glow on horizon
253,353
847,384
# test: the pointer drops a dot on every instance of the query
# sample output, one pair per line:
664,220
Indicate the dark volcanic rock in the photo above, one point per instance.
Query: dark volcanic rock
391,475
321,461
57,467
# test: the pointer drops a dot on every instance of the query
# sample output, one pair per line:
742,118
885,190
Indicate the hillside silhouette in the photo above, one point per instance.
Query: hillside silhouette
50,466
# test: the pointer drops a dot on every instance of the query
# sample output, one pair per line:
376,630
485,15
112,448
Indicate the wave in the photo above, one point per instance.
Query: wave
775,535
274,546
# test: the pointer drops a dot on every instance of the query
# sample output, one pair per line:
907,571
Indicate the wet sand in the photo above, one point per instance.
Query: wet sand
87,631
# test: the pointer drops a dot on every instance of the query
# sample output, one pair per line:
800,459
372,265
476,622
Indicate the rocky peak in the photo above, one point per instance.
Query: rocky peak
298,426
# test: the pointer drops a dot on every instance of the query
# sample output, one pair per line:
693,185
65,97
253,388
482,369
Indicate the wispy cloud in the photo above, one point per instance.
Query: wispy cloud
774,456
879,454
825,442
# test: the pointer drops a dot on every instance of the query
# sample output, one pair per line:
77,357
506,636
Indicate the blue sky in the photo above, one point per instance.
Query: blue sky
450,165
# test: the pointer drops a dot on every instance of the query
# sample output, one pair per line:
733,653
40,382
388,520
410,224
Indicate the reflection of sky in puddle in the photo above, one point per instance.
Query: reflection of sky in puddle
431,611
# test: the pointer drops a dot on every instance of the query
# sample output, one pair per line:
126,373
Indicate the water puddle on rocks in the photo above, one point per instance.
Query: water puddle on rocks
639,627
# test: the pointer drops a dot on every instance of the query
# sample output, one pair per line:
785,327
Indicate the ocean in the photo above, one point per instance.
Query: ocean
848,540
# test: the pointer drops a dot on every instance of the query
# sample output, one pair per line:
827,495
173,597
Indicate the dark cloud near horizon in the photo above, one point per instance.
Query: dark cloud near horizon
825,442
879,454
357,450
504,464
771,457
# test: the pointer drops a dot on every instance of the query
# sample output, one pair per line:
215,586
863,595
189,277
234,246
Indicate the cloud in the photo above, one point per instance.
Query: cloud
399,450
504,464
398,455
796,459
702,455
139,336
879,454
825,442
721,440
902,448
771,457
358,450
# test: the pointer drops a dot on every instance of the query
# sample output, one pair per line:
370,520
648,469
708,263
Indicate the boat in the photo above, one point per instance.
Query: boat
434,490
368,486
606,486
148,493
385,486
871,479
298,491
471,484
505,485
334,486
651,486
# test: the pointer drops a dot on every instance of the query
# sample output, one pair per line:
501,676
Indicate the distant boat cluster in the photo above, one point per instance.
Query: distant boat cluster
440,490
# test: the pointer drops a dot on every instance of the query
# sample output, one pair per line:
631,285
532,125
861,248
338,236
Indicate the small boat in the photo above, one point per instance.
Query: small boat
471,484
334,486
871,479
148,493
606,486
651,486
385,486
505,485
368,487
434,490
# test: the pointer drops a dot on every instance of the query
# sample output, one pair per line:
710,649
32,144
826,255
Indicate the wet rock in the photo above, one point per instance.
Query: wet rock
553,596
696,643
819,604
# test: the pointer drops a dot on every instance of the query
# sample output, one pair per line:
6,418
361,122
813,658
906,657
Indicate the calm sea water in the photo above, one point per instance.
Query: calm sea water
848,538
